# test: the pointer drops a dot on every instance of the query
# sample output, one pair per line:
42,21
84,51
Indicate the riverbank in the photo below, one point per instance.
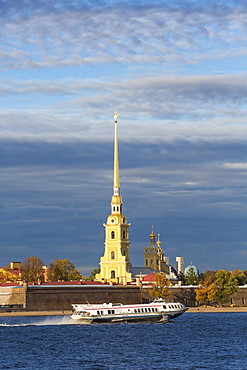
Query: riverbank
216,309
35,313
60,313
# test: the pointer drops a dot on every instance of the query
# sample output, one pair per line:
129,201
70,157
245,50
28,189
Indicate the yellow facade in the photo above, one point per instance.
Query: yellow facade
115,263
154,255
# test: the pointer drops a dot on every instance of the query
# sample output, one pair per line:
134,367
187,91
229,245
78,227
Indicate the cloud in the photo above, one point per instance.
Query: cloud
175,71
113,32
235,166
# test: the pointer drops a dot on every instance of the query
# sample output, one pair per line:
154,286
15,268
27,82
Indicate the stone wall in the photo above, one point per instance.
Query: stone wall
13,296
48,298
61,298
186,295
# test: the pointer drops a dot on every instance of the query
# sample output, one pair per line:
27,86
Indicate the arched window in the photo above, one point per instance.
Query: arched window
146,262
113,209
113,255
117,208
113,275
124,234
113,235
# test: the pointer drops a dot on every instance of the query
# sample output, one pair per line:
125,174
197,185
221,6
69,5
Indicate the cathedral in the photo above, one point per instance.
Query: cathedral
115,266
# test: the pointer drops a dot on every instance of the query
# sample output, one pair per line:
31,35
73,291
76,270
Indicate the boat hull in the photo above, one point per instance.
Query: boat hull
123,319
157,311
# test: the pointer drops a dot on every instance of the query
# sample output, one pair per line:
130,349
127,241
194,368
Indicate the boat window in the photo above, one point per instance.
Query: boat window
164,307
149,309
156,309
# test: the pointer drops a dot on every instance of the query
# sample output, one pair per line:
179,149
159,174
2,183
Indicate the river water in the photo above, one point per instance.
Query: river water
192,341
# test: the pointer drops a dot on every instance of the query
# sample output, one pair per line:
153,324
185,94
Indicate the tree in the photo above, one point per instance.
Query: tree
7,276
63,270
241,276
93,273
160,287
191,277
207,290
181,277
31,269
204,275
226,286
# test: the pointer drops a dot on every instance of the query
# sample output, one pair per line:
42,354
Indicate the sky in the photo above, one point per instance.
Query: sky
176,71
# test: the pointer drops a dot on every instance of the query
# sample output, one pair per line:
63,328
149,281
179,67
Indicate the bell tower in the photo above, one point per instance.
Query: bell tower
115,264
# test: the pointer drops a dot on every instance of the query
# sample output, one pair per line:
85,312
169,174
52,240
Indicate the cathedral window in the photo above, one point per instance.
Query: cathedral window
113,274
146,262
117,208
113,235
124,234
151,261
113,255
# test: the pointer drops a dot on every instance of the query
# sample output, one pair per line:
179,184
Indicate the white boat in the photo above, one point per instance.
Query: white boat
156,311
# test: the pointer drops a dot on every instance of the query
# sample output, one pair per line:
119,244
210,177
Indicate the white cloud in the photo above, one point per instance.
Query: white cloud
118,32
235,166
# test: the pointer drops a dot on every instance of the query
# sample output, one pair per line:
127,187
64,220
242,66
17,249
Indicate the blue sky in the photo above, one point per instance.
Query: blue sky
176,72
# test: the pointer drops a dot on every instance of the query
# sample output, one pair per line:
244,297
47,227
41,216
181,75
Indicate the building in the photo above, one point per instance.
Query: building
115,263
154,257
191,269
180,265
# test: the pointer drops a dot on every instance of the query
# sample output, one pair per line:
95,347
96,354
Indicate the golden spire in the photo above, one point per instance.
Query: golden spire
116,180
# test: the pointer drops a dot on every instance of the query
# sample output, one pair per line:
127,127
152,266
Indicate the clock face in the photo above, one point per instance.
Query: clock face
112,220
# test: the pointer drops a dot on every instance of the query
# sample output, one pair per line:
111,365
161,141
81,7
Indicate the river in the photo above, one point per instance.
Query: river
192,341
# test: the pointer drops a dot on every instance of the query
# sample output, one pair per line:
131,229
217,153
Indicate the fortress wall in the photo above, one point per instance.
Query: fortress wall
61,298
13,296
38,298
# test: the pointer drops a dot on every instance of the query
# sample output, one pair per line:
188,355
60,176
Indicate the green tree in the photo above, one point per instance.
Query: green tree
31,269
241,276
181,277
63,270
226,285
93,273
191,277
160,287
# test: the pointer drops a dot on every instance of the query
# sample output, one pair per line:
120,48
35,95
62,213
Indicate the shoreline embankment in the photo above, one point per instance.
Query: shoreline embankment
200,309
